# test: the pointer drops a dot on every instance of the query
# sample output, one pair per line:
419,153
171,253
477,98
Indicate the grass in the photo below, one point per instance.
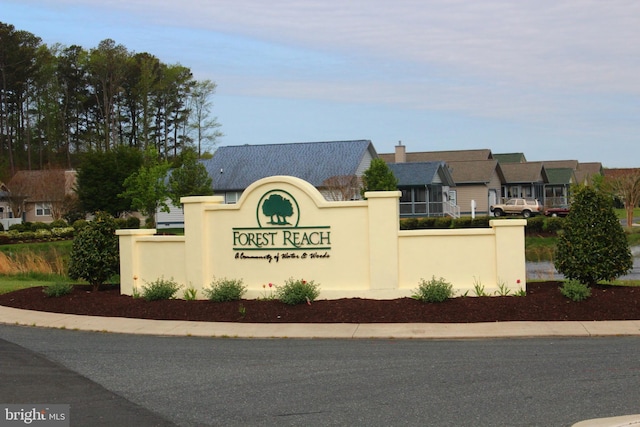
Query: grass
622,213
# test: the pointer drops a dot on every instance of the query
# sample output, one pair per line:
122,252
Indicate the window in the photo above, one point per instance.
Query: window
231,197
43,209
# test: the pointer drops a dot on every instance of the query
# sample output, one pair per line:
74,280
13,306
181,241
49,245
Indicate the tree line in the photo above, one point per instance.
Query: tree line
59,102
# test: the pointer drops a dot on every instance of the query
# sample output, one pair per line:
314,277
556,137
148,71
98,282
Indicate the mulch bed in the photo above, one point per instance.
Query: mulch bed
543,302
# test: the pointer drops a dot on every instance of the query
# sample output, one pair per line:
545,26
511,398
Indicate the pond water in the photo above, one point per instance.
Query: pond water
545,270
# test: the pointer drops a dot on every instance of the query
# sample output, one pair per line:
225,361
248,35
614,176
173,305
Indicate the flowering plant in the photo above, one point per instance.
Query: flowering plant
267,296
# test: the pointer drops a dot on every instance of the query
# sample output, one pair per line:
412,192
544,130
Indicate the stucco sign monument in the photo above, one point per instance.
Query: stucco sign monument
282,228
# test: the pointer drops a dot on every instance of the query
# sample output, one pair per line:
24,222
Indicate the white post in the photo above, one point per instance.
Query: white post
473,209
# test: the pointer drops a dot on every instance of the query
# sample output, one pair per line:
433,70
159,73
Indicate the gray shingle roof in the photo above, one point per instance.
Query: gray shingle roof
419,173
234,168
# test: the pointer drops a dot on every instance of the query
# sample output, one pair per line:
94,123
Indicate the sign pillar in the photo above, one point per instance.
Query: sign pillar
384,212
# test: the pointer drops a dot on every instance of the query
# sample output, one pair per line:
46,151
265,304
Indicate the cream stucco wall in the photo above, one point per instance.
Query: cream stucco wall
351,249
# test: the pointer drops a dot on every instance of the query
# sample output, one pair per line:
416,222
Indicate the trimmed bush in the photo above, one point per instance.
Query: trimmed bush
553,224
443,222
408,223
80,224
434,290
297,292
160,289
535,225
224,289
462,222
426,222
58,223
94,252
592,246
574,290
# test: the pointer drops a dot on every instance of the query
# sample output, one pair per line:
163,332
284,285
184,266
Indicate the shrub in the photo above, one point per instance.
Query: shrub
1,227
462,222
553,224
574,290
80,224
592,246
132,222
58,223
160,289
57,289
39,226
535,225
481,221
408,224
443,222
94,252
224,289
426,222
435,290
297,292
19,227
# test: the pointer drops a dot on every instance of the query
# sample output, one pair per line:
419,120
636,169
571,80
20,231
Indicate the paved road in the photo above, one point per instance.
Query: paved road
203,381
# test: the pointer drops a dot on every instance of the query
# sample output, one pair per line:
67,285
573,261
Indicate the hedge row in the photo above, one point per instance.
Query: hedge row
56,230
535,225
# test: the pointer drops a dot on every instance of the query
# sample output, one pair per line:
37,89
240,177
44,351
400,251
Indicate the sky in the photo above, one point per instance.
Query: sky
553,79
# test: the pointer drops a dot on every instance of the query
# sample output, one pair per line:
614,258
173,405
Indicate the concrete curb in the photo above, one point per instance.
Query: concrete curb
122,325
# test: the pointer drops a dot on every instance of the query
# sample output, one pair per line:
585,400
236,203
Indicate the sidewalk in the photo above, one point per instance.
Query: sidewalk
320,330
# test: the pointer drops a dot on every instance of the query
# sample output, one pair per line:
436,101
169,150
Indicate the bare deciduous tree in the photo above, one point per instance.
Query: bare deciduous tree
342,187
624,184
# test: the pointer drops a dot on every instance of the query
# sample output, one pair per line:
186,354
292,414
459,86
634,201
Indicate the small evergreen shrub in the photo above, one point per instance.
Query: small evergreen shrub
575,290
224,289
443,222
427,222
1,227
408,223
132,222
160,289
553,224
58,223
80,224
297,292
57,289
434,290
481,221
462,222
94,251
39,226
535,225
592,246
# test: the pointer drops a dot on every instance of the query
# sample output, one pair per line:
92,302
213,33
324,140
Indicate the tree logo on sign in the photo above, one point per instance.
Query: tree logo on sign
279,208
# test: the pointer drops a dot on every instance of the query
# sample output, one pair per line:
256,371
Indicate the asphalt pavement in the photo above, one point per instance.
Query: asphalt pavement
28,377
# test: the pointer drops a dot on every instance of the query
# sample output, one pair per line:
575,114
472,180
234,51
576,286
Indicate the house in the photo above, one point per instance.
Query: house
335,168
425,189
526,180
478,185
40,195
476,175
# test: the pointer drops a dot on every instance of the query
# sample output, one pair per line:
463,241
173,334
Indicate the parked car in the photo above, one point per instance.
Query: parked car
517,206
557,211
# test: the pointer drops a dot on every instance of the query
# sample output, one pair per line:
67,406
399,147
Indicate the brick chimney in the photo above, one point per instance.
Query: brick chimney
401,153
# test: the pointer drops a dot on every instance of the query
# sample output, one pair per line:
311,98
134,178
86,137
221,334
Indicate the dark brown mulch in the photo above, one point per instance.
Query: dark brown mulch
543,302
